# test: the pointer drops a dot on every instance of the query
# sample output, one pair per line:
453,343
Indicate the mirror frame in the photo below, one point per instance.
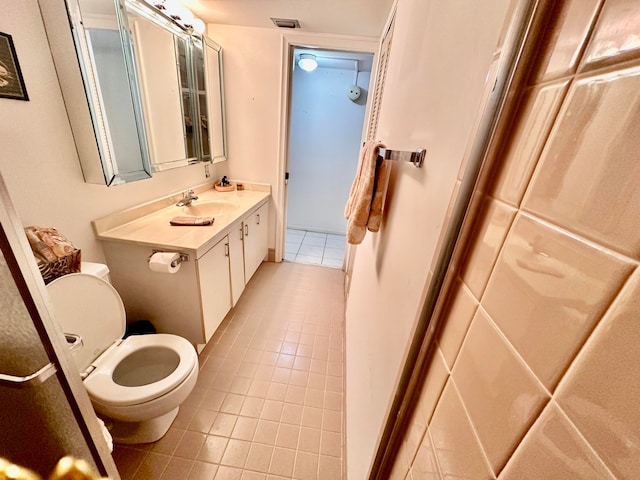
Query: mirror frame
67,39
178,34
214,81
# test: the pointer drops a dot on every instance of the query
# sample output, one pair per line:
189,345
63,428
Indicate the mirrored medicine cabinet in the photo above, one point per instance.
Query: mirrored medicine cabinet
142,93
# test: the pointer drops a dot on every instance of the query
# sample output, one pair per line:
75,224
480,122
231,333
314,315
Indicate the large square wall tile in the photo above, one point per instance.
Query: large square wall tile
616,34
457,449
547,292
502,396
566,37
554,450
588,178
489,236
600,392
540,107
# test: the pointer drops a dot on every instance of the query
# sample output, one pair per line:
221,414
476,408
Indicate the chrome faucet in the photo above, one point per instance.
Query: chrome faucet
187,198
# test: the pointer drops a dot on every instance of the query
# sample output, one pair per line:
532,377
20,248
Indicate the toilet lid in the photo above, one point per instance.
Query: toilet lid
88,306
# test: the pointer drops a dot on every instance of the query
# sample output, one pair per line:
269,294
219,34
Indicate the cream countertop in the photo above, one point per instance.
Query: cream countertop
148,224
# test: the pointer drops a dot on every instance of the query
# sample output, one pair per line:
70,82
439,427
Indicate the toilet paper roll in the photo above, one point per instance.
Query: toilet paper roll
106,434
165,262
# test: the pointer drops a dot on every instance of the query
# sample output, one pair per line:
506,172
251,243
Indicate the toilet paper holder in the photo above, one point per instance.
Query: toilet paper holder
184,257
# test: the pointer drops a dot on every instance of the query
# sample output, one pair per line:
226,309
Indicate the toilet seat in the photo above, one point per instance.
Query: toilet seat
102,387
88,306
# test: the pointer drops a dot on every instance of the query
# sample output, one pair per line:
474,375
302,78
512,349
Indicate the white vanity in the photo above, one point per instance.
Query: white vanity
222,257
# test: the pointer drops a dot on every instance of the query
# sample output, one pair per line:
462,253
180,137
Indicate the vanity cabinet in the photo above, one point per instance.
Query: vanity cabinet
236,261
248,247
256,240
194,300
215,290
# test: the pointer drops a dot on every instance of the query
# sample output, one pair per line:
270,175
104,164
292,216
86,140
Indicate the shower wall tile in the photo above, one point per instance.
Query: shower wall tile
492,380
459,317
547,292
425,465
402,464
590,168
601,390
456,447
544,381
423,411
540,107
495,222
554,450
616,35
567,35
435,382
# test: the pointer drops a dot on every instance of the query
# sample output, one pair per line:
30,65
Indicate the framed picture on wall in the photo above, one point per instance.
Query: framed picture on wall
11,82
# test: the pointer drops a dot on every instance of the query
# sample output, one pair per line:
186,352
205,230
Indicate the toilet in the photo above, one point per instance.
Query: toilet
136,384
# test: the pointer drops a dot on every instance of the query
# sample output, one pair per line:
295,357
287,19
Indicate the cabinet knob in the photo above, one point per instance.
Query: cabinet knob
258,218
246,230
226,249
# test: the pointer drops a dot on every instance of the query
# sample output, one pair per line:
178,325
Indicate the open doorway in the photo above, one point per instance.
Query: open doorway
326,117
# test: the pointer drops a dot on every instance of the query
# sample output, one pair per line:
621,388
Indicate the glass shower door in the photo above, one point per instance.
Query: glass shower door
45,413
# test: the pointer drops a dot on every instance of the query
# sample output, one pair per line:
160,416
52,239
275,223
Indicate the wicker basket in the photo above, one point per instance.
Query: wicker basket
62,266
54,253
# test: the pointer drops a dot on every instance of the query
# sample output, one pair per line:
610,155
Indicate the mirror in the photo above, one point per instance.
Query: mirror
160,51
99,84
153,92
215,100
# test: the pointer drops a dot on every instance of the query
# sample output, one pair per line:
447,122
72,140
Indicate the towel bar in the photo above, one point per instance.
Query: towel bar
417,157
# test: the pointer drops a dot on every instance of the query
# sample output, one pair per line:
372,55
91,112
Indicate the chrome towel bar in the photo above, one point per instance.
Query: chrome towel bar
27,381
417,157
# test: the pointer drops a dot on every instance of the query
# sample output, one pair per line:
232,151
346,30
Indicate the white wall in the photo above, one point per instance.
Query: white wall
38,159
252,70
324,141
439,58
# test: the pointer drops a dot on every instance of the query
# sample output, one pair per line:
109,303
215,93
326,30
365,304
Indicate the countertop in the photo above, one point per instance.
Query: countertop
148,224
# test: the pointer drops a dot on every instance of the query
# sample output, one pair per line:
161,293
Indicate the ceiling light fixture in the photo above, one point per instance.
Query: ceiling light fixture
174,10
307,62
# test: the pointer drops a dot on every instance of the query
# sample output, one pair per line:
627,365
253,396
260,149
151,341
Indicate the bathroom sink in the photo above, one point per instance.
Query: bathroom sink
209,209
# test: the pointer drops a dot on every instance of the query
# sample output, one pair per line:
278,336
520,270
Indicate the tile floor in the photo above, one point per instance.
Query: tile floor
268,404
314,248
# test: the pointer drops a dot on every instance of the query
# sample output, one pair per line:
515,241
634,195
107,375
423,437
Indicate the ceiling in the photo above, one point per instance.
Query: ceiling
344,17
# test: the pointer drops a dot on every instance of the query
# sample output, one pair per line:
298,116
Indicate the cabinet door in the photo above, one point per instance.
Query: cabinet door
256,241
215,289
236,262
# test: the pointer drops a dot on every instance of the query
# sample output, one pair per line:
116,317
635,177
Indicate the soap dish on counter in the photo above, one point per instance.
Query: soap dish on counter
225,188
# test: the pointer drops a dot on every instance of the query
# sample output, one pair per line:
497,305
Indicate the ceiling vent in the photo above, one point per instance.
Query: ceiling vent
286,22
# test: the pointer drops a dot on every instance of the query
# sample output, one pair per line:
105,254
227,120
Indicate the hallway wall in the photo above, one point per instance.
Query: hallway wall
325,135
430,100
536,371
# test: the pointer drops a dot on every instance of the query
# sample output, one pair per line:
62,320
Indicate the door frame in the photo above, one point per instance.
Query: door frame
289,41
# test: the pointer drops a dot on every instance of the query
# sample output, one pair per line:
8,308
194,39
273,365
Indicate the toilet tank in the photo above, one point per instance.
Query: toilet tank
97,269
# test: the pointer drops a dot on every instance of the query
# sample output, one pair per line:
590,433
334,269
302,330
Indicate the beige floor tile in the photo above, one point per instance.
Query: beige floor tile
268,402
309,440
259,457
288,436
223,425
306,466
266,432
236,453
331,444
245,428
282,462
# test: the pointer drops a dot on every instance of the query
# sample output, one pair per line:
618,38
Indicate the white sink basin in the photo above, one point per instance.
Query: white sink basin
212,208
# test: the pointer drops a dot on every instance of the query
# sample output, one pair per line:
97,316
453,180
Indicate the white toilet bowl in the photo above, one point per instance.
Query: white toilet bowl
137,383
